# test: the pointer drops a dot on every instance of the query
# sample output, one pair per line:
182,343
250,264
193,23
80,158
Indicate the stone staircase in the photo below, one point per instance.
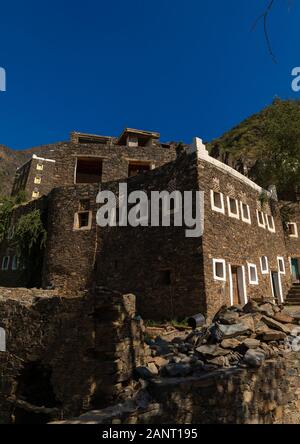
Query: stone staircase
293,297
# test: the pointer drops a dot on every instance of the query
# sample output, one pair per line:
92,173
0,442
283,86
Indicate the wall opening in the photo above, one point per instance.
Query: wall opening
138,168
35,388
88,170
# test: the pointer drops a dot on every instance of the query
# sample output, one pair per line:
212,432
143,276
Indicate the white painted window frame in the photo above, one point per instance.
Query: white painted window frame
264,219
230,213
267,270
280,259
213,207
218,278
15,263
296,235
5,268
250,266
247,220
271,229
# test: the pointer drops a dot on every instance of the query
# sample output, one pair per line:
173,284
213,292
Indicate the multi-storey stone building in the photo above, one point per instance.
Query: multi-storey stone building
246,250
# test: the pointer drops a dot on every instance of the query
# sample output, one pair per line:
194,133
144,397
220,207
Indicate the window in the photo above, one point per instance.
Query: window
164,278
40,167
5,263
37,180
253,277
233,208
281,265
88,170
219,269
217,202
83,220
35,194
15,263
84,204
245,213
270,223
264,265
292,229
11,232
261,219
136,168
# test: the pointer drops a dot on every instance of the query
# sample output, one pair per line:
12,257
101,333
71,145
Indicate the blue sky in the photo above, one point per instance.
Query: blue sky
181,68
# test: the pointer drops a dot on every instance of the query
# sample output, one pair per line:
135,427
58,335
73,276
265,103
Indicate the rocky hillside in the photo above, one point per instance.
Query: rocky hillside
256,144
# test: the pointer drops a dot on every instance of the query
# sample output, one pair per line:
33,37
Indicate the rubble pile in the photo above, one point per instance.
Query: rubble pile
237,337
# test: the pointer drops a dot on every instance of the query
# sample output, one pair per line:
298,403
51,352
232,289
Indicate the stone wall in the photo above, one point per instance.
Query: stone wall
115,163
70,252
269,395
65,355
237,242
160,265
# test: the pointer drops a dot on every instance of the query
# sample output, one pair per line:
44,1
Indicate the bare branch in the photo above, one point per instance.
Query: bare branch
264,18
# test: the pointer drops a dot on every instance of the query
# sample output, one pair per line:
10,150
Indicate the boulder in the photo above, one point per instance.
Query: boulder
275,325
254,358
251,344
178,370
284,318
152,368
273,335
220,331
143,373
229,318
212,351
220,361
230,343
160,362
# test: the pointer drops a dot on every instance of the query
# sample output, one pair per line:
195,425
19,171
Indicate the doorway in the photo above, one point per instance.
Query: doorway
237,285
295,270
276,287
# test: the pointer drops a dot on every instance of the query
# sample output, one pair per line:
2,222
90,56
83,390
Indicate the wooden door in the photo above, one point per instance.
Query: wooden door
235,286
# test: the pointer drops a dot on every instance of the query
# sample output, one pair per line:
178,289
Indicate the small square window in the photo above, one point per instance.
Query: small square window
5,263
219,269
261,219
84,204
233,208
270,223
292,229
38,180
245,213
281,265
264,265
40,167
253,276
35,194
164,278
217,202
83,220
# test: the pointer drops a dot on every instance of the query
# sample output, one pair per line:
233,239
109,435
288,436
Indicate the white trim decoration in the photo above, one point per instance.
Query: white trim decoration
212,199
230,213
217,262
264,266
262,225
250,268
281,265
244,218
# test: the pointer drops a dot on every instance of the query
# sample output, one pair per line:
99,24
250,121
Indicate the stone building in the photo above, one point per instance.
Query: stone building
247,250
